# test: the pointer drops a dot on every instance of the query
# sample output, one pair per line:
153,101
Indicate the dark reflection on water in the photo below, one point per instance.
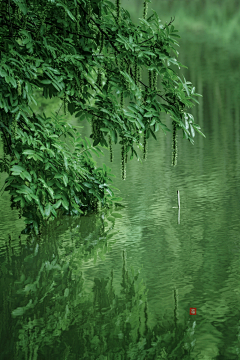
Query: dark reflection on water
49,310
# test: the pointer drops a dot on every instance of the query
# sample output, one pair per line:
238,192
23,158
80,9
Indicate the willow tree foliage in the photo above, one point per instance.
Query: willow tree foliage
90,55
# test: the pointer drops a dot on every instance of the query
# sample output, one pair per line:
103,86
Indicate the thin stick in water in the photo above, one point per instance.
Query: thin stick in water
178,193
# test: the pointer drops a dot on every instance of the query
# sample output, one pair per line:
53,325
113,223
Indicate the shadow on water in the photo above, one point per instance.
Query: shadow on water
50,311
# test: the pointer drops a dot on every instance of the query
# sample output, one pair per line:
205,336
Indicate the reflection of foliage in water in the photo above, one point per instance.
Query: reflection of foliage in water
52,312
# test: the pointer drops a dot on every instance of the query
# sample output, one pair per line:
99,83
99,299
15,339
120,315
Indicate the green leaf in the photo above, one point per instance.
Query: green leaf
51,192
149,53
153,121
175,35
99,150
67,10
65,179
49,151
153,134
23,189
66,292
53,211
71,107
47,210
199,131
27,176
45,81
89,185
84,144
57,205
47,165
96,142
88,141
35,226
17,198
29,152
95,152
113,135
35,198
65,202
140,122
116,215
192,130
22,202
149,114
17,168
104,129
116,199
65,162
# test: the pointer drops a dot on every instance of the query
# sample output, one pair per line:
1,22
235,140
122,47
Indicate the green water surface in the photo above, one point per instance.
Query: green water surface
104,287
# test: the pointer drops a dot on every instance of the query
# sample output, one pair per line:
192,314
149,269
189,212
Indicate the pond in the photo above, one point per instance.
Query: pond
111,287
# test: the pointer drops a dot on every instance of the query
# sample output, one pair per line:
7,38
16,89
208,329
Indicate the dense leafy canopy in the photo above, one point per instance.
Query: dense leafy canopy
90,55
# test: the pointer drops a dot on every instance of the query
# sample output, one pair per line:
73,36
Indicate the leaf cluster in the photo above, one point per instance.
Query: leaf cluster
47,174
85,55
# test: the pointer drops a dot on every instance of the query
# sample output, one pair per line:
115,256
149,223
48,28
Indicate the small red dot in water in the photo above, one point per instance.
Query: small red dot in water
193,311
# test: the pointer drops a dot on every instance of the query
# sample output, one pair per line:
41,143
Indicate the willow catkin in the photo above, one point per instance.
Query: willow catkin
96,128
154,80
138,135
174,144
89,10
19,89
64,104
102,39
145,9
145,144
129,73
135,71
139,75
121,100
19,14
107,84
110,148
80,87
123,148
94,131
123,162
150,78
145,134
20,212
117,11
